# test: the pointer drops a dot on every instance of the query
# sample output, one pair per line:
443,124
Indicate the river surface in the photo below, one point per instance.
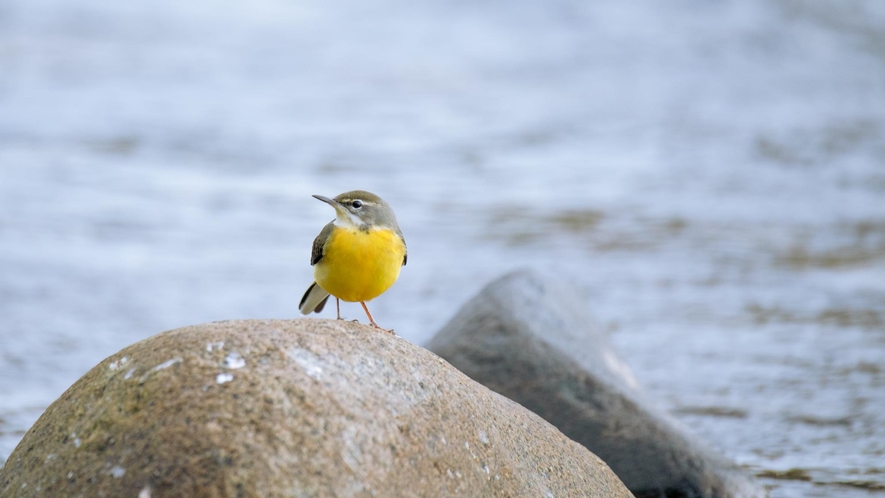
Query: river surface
710,172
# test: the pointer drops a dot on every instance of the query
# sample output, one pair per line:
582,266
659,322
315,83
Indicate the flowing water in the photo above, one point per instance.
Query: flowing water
710,172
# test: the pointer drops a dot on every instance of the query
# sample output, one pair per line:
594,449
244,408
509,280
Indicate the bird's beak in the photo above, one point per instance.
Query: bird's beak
331,202
339,209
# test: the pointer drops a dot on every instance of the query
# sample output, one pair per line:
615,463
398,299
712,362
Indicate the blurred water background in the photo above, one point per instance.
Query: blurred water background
711,172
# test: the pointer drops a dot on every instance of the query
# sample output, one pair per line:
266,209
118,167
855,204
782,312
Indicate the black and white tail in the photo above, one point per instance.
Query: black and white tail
314,300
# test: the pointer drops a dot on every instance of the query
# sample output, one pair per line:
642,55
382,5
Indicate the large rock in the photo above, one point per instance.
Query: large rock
302,408
533,341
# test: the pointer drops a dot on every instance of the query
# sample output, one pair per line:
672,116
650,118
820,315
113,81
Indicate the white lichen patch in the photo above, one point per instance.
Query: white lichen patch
223,377
166,364
351,453
145,492
214,346
128,375
483,437
118,471
118,363
234,360
311,363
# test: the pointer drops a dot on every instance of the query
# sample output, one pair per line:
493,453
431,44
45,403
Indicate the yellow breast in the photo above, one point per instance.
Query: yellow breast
359,265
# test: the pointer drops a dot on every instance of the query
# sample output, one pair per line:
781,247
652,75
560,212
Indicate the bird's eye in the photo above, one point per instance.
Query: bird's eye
357,204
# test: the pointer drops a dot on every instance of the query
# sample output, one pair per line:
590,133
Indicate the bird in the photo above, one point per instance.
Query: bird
357,256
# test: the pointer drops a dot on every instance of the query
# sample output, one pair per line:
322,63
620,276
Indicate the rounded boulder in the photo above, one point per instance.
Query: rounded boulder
298,408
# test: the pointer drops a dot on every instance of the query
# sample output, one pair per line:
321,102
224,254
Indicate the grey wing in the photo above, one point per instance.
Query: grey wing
316,254
406,255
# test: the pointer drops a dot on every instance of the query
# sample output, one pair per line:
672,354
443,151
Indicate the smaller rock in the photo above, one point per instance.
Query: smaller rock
531,340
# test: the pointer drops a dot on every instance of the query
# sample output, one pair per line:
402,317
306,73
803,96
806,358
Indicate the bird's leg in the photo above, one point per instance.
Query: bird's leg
338,307
372,320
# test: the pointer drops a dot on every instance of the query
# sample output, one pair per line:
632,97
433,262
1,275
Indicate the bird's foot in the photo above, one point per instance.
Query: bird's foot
389,331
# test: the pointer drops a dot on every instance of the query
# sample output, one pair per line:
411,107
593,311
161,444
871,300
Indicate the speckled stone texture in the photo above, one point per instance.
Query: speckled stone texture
532,340
302,408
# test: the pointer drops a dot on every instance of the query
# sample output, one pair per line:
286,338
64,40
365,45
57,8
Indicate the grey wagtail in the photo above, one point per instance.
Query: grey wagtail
357,256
